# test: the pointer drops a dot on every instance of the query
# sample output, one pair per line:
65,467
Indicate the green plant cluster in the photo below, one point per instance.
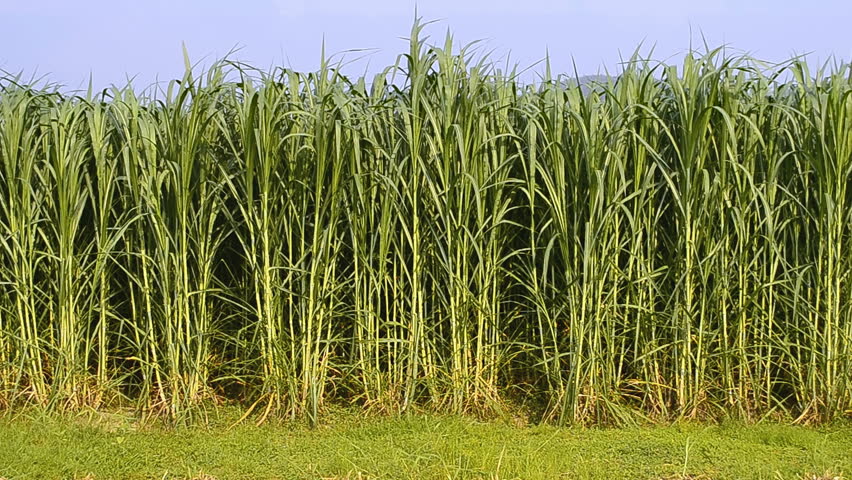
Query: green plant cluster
671,242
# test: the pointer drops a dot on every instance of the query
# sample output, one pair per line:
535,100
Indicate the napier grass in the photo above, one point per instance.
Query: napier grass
673,242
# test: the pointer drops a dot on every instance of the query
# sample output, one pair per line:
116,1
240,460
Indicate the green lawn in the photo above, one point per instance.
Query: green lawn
428,447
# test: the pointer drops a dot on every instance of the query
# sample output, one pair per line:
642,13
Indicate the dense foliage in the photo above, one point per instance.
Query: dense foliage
674,241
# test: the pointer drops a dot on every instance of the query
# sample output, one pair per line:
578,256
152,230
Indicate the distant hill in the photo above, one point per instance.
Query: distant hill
585,81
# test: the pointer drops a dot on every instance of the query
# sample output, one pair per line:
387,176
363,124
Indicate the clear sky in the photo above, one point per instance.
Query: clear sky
69,39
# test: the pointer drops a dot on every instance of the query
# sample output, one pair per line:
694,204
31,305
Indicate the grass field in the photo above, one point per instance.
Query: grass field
673,242
363,266
348,446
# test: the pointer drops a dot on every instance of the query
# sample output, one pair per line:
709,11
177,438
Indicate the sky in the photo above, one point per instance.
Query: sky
67,41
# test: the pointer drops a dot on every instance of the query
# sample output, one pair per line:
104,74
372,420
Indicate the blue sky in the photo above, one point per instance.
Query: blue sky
68,40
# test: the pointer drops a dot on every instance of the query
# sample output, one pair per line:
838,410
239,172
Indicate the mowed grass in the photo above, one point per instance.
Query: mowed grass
424,447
